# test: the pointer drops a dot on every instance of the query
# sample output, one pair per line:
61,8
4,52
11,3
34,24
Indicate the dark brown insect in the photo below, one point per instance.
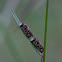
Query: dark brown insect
37,44
26,30
29,35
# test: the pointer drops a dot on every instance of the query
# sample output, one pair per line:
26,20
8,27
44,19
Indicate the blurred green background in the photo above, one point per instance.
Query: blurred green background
14,46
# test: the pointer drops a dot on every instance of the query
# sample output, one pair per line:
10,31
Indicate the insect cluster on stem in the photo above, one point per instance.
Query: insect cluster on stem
29,34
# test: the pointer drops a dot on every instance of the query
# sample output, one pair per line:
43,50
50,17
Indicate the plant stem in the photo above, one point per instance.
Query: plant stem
15,17
18,22
45,34
41,59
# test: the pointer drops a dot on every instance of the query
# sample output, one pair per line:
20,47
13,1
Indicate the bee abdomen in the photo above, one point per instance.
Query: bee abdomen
37,44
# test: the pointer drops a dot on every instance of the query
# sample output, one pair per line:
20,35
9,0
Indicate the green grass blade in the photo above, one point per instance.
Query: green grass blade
18,22
41,59
15,17
45,32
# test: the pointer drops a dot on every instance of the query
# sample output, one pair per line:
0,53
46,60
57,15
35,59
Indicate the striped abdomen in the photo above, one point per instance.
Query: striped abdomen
37,44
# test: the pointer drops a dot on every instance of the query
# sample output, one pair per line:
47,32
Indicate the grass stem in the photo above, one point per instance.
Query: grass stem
45,34
15,17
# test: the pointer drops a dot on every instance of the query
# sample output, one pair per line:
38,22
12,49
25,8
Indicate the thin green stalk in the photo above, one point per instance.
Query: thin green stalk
45,34
15,17
18,22
41,59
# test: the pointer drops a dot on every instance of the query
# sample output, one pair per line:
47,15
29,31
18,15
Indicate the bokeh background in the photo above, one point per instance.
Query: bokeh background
14,46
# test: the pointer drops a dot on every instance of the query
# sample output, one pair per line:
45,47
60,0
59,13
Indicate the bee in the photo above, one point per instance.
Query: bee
37,44
29,35
26,30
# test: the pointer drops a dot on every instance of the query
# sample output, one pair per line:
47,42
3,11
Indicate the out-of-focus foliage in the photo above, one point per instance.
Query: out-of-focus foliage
14,46
2,5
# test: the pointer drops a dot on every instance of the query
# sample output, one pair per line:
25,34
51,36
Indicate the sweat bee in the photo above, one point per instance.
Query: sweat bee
33,40
26,30
29,35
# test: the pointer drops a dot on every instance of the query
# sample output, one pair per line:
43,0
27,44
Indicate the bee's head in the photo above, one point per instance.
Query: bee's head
21,24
